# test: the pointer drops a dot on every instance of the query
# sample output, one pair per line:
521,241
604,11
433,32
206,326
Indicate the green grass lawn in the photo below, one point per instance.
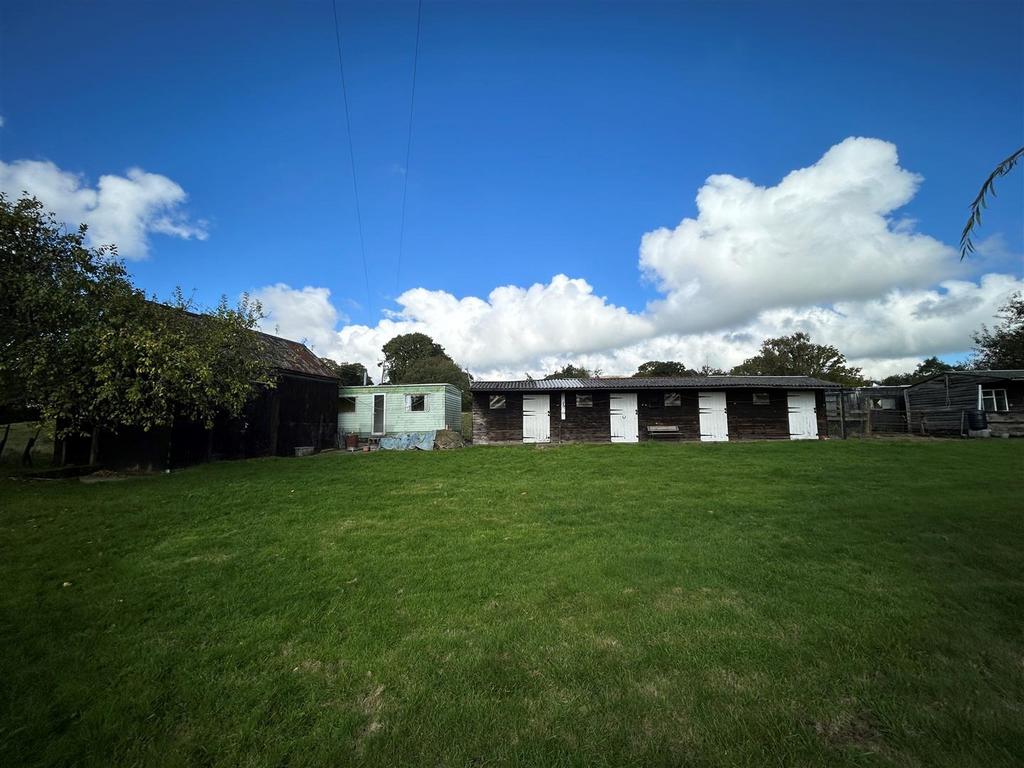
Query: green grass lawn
835,603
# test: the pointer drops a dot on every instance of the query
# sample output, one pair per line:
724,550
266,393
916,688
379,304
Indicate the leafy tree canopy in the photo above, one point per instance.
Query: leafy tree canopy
86,348
350,374
402,351
709,370
572,372
440,369
928,367
415,358
797,355
659,368
1002,346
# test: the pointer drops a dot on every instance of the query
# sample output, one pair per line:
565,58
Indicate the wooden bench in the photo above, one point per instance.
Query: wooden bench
659,430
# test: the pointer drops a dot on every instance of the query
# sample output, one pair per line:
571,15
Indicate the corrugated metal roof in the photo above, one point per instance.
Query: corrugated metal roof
674,382
293,357
1008,373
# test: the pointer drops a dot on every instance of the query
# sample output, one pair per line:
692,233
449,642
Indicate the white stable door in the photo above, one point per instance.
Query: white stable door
714,421
624,417
536,418
803,416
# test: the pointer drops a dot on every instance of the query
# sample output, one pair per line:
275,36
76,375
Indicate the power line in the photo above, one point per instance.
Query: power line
352,156
408,145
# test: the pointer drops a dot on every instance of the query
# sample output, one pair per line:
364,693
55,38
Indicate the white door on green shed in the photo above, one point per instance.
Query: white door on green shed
379,412
536,418
714,421
803,416
624,417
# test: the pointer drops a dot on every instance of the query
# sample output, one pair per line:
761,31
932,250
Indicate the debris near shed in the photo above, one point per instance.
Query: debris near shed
447,439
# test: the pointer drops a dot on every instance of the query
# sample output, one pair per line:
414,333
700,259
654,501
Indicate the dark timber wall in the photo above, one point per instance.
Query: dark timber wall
300,411
500,425
758,422
588,424
654,413
939,406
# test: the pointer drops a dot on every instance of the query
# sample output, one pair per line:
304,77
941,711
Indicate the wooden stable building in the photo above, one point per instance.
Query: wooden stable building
958,403
620,410
300,412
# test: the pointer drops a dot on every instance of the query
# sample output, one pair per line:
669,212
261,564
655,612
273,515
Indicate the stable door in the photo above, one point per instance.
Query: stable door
536,418
624,417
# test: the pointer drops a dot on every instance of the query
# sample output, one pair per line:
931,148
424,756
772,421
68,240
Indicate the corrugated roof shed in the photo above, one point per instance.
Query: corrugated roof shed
294,357
674,382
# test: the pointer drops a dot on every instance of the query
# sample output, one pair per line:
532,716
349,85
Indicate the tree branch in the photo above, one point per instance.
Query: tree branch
980,202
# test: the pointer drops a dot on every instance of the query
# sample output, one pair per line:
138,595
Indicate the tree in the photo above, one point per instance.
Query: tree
981,201
709,370
402,351
350,374
797,355
660,368
440,369
570,372
170,362
415,358
1002,346
930,366
88,351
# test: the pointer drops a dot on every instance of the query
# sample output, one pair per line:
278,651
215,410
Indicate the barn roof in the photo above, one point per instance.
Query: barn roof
1005,374
673,382
293,357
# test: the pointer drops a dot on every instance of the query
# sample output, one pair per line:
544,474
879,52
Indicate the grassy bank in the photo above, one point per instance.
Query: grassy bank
854,603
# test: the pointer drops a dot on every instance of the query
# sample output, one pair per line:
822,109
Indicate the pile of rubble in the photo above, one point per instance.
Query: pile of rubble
447,438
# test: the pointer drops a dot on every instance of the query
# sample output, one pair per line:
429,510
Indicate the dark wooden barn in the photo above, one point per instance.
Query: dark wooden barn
300,412
958,402
714,408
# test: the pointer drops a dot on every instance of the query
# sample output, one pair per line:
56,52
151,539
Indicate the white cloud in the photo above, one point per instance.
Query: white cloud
822,251
302,314
822,234
121,210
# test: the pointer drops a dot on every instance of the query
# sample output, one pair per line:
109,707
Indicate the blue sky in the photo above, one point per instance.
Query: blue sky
548,137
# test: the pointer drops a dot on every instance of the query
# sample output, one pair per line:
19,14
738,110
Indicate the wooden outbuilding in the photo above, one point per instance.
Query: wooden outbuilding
959,403
377,410
301,412
630,410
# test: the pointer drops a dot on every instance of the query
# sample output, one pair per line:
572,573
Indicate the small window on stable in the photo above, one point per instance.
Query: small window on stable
417,402
347,405
761,398
496,402
883,403
584,401
673,400
994,400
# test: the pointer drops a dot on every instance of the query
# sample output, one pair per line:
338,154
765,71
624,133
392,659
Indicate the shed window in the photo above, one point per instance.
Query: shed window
496,401
994,400
584,401
761,398
416,402
673,400
347,405
883,403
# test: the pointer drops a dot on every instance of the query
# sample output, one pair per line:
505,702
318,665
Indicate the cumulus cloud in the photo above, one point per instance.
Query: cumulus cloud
822,234
822,251
120,210
304,314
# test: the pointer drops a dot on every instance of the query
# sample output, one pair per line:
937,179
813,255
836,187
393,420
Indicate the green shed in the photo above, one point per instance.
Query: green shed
389,409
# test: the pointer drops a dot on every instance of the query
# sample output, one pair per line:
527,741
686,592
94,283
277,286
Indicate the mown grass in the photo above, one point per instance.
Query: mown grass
857,603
